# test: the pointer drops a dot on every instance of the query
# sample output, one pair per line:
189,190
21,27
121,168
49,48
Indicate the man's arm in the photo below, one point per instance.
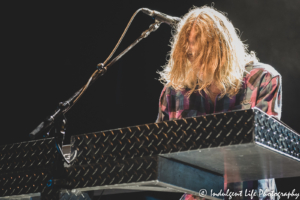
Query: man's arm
163,107
269,95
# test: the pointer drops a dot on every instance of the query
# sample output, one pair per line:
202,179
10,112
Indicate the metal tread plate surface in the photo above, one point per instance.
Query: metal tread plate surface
243,145
274,153
27,167
154,173
28,155
165,137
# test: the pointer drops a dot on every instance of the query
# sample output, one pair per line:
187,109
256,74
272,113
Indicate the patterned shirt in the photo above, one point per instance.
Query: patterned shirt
261,88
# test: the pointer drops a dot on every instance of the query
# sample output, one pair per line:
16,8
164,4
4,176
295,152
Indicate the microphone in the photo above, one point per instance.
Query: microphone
161,16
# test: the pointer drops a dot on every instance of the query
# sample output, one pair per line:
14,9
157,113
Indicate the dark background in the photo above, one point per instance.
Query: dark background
50,50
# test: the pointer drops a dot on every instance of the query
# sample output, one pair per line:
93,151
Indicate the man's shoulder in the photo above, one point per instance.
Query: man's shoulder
255,68
167,90
259,73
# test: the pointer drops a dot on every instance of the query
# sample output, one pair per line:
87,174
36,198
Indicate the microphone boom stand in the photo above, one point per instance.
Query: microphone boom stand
58,116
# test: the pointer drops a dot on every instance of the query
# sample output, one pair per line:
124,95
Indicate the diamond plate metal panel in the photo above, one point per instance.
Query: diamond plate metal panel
150,171
271,133
112,172
27,155
25,182
166,137
28,167
274,153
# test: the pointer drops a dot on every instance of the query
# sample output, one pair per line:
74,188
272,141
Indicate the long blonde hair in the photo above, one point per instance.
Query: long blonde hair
221,56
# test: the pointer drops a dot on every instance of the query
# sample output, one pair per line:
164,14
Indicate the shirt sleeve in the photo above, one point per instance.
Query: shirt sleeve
269,95
163,105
